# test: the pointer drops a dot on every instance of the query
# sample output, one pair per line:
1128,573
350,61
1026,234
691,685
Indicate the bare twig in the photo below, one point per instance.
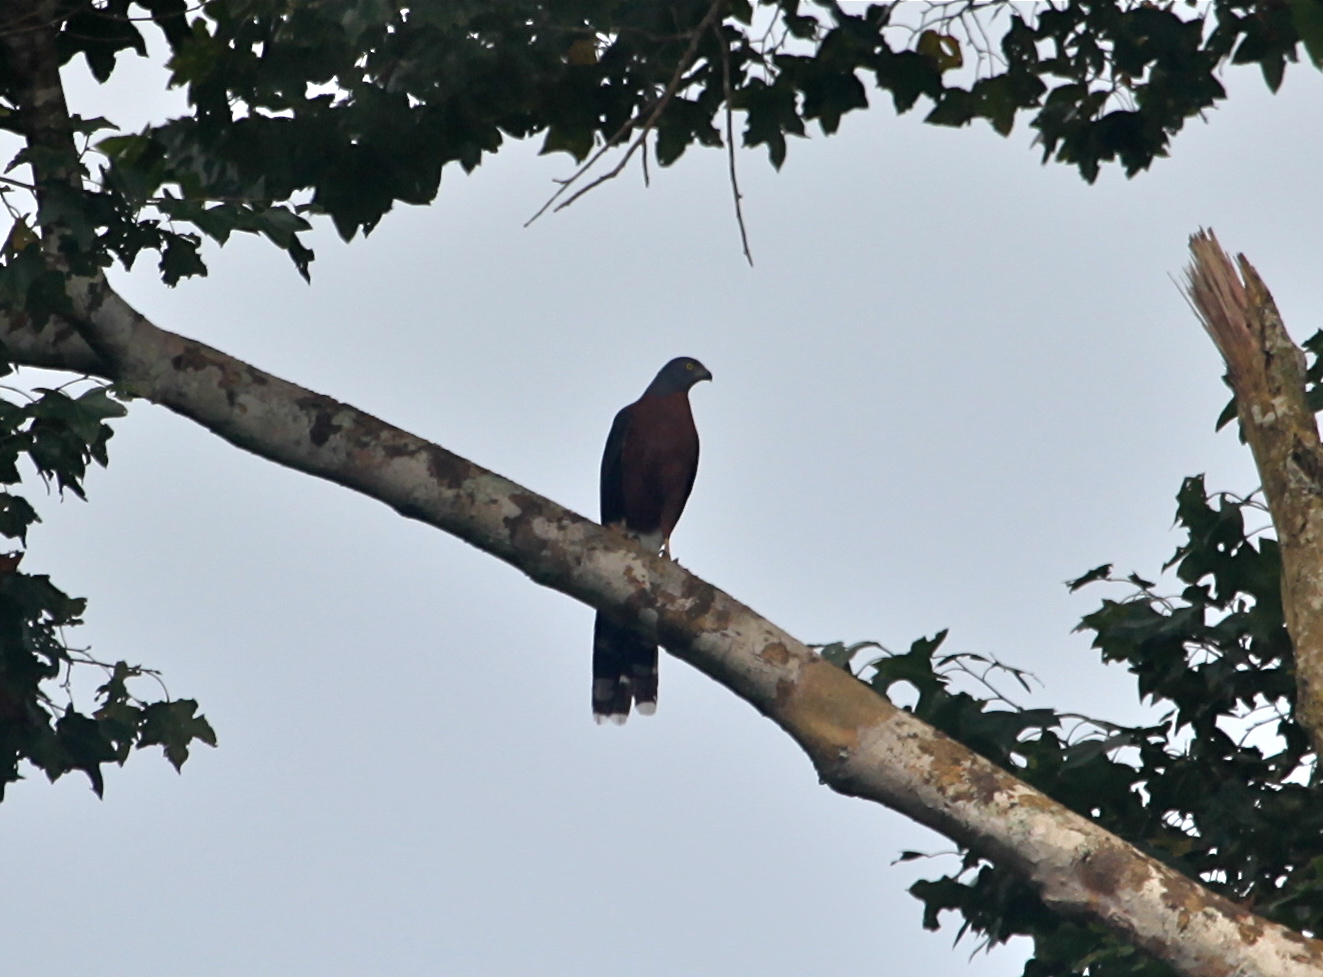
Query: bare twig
668,93
566,183
730,145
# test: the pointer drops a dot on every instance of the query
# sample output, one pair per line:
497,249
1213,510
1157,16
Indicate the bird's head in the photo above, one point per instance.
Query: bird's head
678,375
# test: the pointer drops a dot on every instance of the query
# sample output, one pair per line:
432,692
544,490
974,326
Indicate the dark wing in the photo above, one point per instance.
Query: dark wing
675,456
689,482
612,484
624,664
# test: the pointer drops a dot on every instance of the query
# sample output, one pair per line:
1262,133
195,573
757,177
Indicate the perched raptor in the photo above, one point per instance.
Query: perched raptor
648,468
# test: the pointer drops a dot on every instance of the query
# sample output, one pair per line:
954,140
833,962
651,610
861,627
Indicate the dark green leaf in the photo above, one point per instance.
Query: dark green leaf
1097,573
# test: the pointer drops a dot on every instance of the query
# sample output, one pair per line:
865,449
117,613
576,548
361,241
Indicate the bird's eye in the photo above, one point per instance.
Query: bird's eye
689,366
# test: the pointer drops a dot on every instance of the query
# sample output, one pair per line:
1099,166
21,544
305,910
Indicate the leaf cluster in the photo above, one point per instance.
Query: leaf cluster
59,434
346,107
1222,788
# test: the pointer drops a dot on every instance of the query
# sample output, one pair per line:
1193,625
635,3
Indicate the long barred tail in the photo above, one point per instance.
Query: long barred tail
624,672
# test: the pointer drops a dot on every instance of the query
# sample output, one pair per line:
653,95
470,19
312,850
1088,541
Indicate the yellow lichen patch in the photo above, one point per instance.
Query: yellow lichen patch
1030,799
776,653
826,708
1188,898
1251,929
1112,868
982,784
951,768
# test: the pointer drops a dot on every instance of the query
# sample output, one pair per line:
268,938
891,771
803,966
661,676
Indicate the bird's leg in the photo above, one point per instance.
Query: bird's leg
666,548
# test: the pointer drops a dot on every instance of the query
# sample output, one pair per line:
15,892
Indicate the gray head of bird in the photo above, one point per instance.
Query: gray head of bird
679,375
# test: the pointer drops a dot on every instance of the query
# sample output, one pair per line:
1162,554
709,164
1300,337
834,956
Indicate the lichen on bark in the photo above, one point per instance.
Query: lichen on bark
1266,370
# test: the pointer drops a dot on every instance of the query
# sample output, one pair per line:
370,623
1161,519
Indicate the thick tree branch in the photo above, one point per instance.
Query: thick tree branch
29,48
860,744
58,346
1267,372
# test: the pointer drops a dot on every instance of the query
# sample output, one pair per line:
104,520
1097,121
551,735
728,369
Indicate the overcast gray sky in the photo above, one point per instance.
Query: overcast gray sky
953,379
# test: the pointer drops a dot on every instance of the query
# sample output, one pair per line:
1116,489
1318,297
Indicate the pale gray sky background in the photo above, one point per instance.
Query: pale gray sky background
954,379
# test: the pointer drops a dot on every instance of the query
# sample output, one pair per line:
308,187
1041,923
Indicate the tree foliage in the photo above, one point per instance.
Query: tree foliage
1223,787
58,435
345,107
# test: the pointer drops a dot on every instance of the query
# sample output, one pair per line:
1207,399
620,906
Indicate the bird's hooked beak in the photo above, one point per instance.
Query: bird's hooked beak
704,374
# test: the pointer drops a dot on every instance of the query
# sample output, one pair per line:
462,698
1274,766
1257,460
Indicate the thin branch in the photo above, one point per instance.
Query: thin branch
730,144
673,86
566,183
610,174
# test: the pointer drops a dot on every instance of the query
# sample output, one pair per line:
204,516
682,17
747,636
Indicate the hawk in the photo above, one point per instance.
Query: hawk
648,469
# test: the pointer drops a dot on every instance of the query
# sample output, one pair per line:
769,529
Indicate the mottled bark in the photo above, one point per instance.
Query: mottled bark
860,744
28,30
1267,372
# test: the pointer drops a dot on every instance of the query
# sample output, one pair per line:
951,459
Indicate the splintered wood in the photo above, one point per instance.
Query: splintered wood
1267,373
